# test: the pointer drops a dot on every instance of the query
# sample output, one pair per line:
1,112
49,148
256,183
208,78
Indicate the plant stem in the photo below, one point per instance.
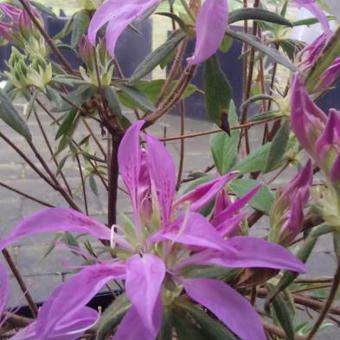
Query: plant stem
21,282
113,172
26,195
82,184
209,132
328,304
181,159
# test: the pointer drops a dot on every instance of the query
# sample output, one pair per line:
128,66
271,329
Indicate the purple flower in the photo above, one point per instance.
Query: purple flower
156,252
329,76
308,120
118,15
317,133
312,7
211,24
287,214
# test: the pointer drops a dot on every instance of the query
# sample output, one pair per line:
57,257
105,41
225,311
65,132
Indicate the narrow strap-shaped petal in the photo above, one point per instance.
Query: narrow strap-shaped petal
163,175
193,230
130,160
330,75
247,252
335,171
204,193
74,294
228,305
231,226
70,329
211,24
119,14
4,288
54,220
132,326
144,278
235,207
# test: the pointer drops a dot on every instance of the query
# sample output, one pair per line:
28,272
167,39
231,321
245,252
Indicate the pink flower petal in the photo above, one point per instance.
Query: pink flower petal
335,171
201,195
144,278
132,327
74,294
247,252
235,206
68,329
211,24
163,175
119,14
193,230
228,305
54,220
130,160
330,75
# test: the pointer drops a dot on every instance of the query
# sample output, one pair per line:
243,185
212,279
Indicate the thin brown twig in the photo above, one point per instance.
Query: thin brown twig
82,184
23,287
182,146
209,132
34,199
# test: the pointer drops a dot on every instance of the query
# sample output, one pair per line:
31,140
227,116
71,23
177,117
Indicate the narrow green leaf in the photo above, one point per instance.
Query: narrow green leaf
224,147
256,98
156,56
263,200
257,14
185,329
336,241
112,99
112,316
131,97
12,118
93,185
80,25
277,148
69,120
282,313
265,115
43,9
255,161
166,332
269,51
218,93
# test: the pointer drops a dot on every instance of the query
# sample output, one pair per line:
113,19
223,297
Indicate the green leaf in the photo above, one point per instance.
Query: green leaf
269,51
80,25
112,316
265,115
68,123
277,148
132,98
166,329
152,88
210,271
336,241
282,313
224,147
256,98
257,14
291,46
176,18
211,328
93,185
218,93
255,161
156,56
185,329
263,200
12,118
226,44
111,96
309,21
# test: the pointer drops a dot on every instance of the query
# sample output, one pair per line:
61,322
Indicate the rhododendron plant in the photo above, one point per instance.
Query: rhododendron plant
166,236
156,253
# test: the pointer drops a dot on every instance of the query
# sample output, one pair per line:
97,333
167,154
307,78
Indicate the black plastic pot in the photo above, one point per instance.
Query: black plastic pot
102,300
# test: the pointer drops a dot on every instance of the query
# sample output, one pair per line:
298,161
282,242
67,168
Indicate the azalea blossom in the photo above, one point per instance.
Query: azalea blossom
211,24
287,215
318,133
168,236
330,75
